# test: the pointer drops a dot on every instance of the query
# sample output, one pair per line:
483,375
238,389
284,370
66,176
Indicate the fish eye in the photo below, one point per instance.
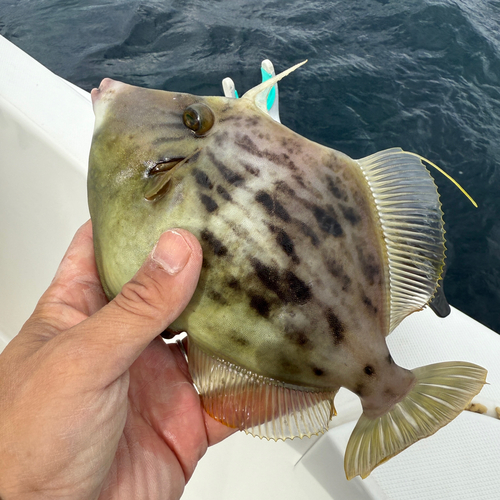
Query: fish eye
199,118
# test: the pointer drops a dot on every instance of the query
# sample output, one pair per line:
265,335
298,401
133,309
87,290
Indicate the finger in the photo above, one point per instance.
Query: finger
110,340
216,431
77,282
74,294
171,404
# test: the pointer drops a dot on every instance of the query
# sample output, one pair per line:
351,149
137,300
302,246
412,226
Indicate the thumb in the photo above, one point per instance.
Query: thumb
158,293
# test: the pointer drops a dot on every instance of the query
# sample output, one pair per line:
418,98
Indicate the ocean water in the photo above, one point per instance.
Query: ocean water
423,75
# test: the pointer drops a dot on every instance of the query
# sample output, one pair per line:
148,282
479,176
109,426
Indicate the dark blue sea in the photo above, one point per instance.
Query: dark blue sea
420,74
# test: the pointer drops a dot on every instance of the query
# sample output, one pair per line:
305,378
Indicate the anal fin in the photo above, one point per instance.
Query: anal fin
261,406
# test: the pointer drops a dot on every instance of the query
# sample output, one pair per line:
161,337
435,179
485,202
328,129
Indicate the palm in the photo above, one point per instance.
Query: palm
166,431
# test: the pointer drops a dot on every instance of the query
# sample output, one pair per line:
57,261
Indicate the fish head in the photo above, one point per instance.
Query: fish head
143,141
148,146
141,135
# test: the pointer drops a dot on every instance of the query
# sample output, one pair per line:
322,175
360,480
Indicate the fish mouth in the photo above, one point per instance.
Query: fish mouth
107,86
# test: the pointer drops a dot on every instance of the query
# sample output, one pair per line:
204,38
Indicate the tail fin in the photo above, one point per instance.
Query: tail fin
441,393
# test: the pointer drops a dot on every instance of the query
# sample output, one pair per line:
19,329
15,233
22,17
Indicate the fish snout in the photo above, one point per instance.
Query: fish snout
106,88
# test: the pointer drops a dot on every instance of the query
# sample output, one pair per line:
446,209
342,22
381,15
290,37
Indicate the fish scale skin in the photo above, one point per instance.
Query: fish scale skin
300,292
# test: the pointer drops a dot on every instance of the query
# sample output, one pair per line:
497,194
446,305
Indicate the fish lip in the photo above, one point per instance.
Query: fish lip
94,95
107,85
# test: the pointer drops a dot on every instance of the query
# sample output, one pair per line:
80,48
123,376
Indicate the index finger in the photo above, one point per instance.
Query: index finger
75,292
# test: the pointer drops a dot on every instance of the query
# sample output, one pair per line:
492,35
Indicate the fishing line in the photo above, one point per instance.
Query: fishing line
448,176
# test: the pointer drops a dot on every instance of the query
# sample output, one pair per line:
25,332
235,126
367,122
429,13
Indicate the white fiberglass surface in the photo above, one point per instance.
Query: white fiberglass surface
42,202
45,133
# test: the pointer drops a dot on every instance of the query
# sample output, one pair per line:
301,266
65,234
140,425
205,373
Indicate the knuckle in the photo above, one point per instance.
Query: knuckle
142,298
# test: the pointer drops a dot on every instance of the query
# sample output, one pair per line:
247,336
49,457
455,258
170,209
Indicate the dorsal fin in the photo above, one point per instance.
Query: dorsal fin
412,223
257,94
439,304
259,405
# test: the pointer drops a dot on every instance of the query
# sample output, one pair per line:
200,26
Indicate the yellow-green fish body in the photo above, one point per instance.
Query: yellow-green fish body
310,260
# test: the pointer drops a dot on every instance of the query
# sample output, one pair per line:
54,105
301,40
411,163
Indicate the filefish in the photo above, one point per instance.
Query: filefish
311,259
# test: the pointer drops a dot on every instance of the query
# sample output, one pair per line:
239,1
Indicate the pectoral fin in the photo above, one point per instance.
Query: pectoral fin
157,186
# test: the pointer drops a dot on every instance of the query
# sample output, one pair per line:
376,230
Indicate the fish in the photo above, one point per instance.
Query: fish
310,259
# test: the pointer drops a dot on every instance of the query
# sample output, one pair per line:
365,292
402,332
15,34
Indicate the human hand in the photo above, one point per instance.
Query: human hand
92,403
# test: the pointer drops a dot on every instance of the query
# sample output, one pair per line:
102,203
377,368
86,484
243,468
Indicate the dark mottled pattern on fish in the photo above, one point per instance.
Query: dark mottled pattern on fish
335,187
369,265
293,147
202,179
223,192
368,303
209,203
287,247
286,285
327,220
233,283
316,223
272,206
299,338
241,341
283,159
220,139
162,141
285,243
217,297
337,271
350,214
217,247
229,175
299,180
251,169
369,370
227,117
337,328
283,187
307,231
287,366
253,122
260,304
